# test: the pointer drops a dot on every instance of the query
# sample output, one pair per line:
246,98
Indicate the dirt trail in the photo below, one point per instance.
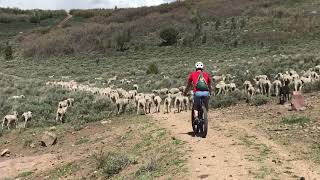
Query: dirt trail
234,149
65,20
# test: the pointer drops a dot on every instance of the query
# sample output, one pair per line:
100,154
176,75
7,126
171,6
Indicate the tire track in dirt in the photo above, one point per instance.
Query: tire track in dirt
234,150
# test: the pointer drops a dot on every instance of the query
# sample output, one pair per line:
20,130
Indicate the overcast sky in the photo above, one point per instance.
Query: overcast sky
78,4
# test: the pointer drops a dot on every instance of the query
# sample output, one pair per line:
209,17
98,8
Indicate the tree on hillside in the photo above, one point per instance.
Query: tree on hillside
169,36
122,39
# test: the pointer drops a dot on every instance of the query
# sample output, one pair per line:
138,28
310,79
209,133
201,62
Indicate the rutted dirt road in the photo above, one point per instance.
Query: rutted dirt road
235,149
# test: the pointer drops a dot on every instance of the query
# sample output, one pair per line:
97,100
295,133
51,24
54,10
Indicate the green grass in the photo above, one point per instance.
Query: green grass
64,170
24,174
295,120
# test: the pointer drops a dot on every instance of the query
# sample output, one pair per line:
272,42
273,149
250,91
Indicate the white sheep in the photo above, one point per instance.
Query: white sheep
17,97
297,84
178,103
142,105
182,88
61,112
185,103
231,87
246,86
251,91
10,119
110,80
174,91
121,105
27,117
167,104
149,101
114,96
135,87
157,103
276,87
164,91
221,88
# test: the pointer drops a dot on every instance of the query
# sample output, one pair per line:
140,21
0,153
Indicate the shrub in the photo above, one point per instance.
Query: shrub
112,163
222,101
121,39
311,87
34,19
295,120
259,100
150,166
152,69
169,36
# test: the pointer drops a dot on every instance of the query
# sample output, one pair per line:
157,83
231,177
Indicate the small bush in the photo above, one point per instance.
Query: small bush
311,87
259,100
169,36
112,163
295,120
121,40
222,101
150,166
152,69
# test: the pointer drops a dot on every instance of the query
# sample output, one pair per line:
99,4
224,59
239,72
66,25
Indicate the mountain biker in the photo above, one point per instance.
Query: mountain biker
201,82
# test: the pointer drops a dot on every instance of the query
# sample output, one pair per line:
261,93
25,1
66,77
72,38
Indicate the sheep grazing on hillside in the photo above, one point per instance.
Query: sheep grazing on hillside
114,96
142,104
174,91
164,91
60,115
317,68
135,87
157,103
231,87
167,104
221,88
149,101
178,103
9,120
121,105
110,80
17,97
27,116
276,87
297,84
182,88
185,103
251,91
246,86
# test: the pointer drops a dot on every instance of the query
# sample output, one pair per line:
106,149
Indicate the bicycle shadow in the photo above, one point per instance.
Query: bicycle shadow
191,133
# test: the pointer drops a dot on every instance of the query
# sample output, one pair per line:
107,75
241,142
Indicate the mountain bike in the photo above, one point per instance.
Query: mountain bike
200,123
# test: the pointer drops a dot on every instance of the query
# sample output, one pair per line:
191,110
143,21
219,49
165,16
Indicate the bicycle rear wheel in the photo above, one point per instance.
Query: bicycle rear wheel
204,124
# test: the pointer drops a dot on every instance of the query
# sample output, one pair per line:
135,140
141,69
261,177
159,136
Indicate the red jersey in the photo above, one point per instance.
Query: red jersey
194,76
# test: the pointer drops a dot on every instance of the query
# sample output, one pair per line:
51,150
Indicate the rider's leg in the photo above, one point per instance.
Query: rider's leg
196,105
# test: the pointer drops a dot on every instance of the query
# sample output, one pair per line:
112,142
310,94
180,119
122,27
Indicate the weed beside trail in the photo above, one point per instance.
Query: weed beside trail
259,100
295,120
112,163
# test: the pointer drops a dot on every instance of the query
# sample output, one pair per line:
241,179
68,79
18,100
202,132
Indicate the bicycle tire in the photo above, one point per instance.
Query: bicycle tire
204,124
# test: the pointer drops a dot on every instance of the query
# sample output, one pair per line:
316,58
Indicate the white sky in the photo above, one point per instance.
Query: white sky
78,4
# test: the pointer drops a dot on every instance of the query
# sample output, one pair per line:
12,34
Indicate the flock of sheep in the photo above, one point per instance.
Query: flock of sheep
263,85
144,102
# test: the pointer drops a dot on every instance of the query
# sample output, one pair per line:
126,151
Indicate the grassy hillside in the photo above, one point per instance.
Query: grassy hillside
15,22
218,23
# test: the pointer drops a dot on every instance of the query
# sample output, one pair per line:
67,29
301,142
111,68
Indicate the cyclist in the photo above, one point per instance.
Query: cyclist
201,82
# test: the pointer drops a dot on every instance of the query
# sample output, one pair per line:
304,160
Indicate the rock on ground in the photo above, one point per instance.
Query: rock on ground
4,152
48,139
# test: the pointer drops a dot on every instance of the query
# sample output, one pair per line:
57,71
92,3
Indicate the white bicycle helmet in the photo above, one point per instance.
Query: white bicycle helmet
199,65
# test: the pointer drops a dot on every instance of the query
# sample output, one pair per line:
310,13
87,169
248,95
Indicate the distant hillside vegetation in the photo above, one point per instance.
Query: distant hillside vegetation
223,23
